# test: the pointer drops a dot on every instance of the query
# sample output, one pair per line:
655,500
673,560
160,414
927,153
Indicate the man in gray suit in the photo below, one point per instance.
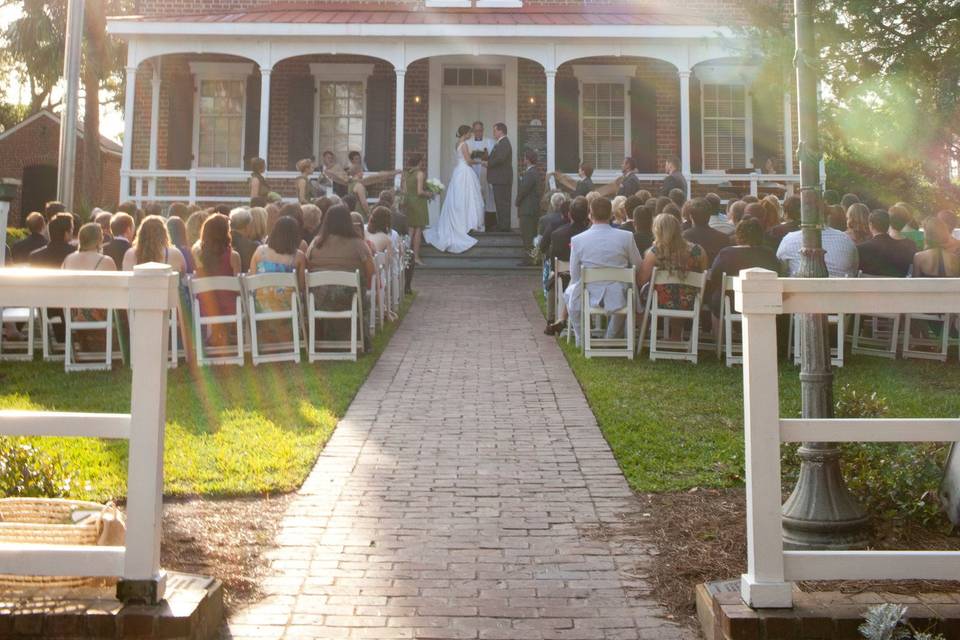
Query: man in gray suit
500,175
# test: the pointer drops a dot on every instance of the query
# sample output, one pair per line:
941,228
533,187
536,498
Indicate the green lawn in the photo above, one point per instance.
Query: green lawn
674,425
230,430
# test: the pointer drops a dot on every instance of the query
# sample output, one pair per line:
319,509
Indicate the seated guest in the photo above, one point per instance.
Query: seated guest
88,257
582,186
103,218
837,218
257,231
773,211
719,218
674,179
678,197
672,253
736,211
122,228
881,255
701,233
338,247
378,231
791,211
675,211
949,218
841,257
152,244
240,221
51,255
848,200
936,261
600,246
177,230
179,210
194,225
559,249
214,256
903,226
662,203
546,236
281,254
643,227
858,223
748,252
312,217
629,182
553,218
52,208
131,209
21,249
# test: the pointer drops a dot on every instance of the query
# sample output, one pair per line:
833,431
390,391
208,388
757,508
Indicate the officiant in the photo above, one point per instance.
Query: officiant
480,148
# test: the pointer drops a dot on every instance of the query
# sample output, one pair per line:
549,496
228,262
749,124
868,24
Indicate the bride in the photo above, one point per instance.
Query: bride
463,207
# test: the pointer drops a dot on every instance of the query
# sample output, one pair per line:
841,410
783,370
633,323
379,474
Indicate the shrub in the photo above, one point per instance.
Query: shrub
888,622
28,472
15,234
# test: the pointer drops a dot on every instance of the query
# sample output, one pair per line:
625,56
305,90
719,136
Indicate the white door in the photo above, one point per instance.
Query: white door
466,108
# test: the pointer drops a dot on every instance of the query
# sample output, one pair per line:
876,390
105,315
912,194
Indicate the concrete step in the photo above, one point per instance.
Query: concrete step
479,251
493,252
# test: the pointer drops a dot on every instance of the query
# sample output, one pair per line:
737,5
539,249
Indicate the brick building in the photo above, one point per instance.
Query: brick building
214,83
29,151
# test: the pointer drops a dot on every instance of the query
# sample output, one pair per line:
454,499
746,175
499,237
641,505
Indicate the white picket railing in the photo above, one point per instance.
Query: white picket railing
760,297
149,293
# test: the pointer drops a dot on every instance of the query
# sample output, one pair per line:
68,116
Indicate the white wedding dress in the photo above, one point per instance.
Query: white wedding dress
462,210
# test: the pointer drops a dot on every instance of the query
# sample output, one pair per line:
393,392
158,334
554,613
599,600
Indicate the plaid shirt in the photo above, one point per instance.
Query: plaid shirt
842,258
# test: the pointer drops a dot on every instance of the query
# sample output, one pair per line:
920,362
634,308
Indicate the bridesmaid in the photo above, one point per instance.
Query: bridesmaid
259,189
415,198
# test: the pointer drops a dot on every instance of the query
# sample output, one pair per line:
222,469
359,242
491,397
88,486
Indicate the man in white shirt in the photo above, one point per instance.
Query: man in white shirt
600,246
842,258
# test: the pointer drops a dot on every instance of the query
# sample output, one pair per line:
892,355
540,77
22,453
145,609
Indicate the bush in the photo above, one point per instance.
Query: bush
27,472
15,234
889,622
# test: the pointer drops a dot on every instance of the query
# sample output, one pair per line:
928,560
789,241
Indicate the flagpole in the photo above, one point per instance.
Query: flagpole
67,163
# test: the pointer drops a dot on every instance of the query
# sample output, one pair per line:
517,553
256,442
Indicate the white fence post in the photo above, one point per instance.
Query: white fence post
149,342
759,297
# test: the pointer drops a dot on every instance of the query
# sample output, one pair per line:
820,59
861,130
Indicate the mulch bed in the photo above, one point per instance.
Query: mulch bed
226,539
701,536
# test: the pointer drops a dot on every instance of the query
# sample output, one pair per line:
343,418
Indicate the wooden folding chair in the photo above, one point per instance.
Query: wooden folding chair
273,351
334,349
608,347
220,354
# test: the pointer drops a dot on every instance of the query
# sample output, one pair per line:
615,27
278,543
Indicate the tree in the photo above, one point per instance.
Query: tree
34,46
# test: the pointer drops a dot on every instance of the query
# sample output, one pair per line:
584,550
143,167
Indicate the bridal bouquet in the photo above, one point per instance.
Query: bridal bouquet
434,186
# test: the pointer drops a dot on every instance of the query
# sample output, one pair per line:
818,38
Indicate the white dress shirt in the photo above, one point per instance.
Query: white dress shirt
600,246
842,258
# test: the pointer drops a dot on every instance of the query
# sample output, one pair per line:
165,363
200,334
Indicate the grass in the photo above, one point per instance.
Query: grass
674,426
230,430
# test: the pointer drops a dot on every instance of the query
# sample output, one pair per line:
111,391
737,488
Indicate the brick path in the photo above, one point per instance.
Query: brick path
468,493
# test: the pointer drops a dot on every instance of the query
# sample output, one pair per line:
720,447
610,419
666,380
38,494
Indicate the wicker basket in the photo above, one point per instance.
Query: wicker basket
46,521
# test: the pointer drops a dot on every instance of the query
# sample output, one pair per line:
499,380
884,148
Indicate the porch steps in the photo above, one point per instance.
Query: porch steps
493,252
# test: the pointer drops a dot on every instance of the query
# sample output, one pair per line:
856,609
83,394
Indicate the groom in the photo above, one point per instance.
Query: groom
500,175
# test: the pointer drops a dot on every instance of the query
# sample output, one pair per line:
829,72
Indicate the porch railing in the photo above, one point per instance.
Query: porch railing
760,297
149,293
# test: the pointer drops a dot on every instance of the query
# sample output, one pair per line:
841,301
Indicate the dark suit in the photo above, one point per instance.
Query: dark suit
21,249
500,177
881,255
631,185
246,248
116,249
560,249
528,205
673,181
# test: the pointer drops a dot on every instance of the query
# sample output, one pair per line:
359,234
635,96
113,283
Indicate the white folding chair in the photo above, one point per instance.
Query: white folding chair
382,281
273,351
560,268
876,334
334,349
89,361
733,349
17,350
927,346
174,339
665,348
221,354
608,347
53,349
396,282
837,321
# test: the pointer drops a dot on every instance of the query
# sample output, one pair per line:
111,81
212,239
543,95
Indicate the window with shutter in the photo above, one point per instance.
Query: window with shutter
341,108
725,118
605,115
220,110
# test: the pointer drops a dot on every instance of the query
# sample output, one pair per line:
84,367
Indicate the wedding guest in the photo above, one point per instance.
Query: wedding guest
122,228
662,203
52,208
554,217
528,200
936,260
21,249
415,199
257,231
773,211
152,244
179,210
311,221
214,256
791,211
903,226
848,200
719,219
672,253
701,233
194,225
881,255
678,197
52,254
562,218
837,217
281,254
240,220
618,205
841,257
643,227
88,257
674,180
131,209
831,197
582,186
629,182
858,222
302,183
103,218
748,252
378,231
559,249
675,211
177,230
259,188
949,218
273,214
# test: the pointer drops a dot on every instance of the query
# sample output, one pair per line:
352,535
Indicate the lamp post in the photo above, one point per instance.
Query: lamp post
67,163
821,512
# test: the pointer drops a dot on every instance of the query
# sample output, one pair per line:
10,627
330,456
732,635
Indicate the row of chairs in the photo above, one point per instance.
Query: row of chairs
383,297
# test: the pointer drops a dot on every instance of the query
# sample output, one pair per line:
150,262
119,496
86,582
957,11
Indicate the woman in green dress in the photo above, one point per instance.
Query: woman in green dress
415,198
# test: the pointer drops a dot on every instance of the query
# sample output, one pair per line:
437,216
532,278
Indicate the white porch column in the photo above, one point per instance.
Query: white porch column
154,126
551,120
787,134
399,126
126,156
685,125
264,143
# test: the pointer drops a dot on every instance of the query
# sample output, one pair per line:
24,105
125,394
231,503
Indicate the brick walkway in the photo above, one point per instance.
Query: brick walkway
468,493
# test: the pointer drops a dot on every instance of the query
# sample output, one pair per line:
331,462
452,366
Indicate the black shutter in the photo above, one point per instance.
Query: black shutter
567,136
180,122
765,129
696,126
300,119
251,134
379,119
643,125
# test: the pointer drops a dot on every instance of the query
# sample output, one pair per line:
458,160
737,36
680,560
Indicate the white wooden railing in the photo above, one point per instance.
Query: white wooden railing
760,297
149,293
